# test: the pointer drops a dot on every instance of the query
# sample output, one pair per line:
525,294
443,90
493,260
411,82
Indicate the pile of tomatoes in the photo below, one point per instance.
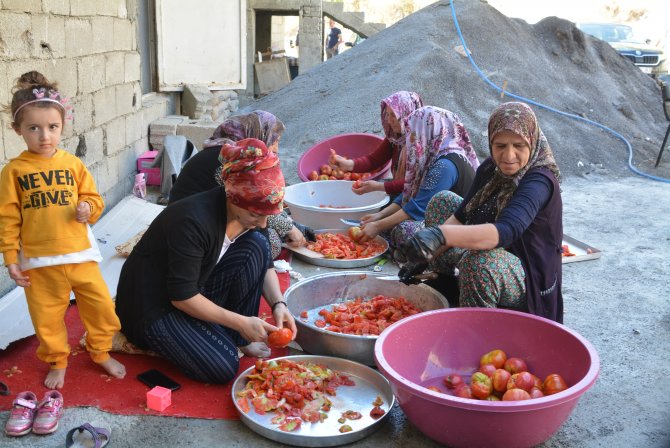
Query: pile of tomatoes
502,378
364,317
295,391
340,246
330,171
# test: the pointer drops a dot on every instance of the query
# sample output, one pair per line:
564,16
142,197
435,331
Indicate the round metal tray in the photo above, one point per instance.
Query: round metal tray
369,385
343,264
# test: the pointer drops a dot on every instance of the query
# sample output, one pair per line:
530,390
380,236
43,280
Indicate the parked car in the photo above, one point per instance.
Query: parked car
648,58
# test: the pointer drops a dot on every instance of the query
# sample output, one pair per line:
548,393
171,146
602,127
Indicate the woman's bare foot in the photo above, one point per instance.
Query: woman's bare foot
114,368
55,379
256,349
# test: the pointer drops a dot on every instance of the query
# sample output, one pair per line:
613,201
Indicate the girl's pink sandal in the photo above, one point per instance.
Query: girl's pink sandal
49,412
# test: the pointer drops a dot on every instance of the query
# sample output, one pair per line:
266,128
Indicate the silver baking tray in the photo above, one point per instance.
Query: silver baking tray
369,385
317,259
581,250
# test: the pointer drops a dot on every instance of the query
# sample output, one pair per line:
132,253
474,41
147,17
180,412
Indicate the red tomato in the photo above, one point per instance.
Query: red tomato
356,184
537,382
480,383
515,365
347,176
500,379
492,398
326,169
488,369
303,314
521,380
536,392
355,176
496,357
280,338
553,384
313,175
515,395
377,412
452,381
323,177
463,391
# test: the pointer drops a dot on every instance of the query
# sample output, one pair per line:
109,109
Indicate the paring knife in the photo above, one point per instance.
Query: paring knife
420,277
350,222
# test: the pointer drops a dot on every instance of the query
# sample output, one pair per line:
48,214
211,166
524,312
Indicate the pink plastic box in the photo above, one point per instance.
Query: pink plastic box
144,162
159,398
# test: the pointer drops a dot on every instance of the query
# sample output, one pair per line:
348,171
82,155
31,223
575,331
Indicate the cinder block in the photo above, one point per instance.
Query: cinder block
78,37
132,67
115,135
197,101
103,30
13,26
104,105
22,5
159,398
82,8
134,127
48,34
90,70
59,7
198,131
114,68
82,118
123,34
126,99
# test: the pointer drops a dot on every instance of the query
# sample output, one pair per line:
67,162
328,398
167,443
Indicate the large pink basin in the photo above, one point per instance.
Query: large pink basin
349,145
422,349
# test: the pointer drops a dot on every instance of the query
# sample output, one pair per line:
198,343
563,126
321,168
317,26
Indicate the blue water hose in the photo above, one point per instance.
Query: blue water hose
566,114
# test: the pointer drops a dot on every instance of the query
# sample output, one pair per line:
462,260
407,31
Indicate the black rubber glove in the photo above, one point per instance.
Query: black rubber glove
421,247
307,231
409,270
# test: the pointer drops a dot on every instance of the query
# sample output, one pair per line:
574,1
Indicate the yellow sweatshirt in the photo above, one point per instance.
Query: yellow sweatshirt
38,202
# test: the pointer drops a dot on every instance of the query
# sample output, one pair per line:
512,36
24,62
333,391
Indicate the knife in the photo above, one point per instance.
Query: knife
350,222
420,277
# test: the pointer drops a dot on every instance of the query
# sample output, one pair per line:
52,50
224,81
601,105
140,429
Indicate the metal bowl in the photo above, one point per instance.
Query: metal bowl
370,384
343,264
322,290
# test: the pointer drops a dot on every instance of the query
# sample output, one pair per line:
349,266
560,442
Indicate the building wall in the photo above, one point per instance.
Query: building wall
90,48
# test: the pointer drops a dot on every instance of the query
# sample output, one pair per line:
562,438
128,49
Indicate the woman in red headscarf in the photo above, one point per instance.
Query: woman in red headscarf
191,288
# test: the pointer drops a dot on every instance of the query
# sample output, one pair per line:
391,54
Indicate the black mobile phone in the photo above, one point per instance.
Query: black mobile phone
154,378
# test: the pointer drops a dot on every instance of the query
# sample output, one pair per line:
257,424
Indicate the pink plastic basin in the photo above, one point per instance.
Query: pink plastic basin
421,350
349,145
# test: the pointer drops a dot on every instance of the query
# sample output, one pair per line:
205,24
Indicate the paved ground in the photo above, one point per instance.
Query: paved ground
619,303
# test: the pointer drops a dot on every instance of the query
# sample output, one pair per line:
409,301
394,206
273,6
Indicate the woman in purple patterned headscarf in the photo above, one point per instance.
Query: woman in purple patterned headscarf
438,156
394,112
505,236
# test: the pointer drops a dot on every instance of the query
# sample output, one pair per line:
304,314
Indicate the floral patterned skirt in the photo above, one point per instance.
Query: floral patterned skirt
486,278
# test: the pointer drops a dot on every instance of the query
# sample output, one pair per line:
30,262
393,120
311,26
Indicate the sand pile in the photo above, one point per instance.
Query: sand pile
550,62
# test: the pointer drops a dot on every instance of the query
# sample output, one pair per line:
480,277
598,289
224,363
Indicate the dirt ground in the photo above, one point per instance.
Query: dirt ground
620,302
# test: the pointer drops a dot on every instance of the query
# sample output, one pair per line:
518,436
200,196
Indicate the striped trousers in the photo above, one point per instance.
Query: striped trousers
205,351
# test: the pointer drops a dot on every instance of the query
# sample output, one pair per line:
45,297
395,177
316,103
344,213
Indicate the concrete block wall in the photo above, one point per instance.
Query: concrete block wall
89,47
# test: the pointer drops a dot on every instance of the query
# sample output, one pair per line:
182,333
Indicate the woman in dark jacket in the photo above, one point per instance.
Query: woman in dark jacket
505,237
190,290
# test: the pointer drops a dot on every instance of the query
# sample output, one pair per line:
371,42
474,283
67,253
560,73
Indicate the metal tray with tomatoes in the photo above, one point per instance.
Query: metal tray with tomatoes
370,389
343,263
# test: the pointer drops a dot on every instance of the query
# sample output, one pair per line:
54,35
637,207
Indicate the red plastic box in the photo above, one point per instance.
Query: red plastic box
144,161
159,398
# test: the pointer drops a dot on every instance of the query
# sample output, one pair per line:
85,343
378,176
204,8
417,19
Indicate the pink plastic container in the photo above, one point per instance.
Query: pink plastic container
421,350
349,145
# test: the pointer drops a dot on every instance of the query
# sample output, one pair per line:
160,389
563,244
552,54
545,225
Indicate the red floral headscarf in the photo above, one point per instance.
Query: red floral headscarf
252,176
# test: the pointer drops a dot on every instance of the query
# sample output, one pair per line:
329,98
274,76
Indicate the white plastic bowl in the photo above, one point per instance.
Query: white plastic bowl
306,200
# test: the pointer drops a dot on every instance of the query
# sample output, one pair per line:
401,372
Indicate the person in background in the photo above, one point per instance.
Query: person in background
505,236
395,109
190,290
333,40
200,173
48,199
438,156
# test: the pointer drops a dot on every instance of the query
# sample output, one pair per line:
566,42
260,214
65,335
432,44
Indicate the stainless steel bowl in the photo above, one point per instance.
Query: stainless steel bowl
343,264
327,289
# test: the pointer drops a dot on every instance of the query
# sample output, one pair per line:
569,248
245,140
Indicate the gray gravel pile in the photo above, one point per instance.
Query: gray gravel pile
551,62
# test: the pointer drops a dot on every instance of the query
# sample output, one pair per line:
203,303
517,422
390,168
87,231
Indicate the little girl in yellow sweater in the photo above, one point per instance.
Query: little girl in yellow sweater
47,200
